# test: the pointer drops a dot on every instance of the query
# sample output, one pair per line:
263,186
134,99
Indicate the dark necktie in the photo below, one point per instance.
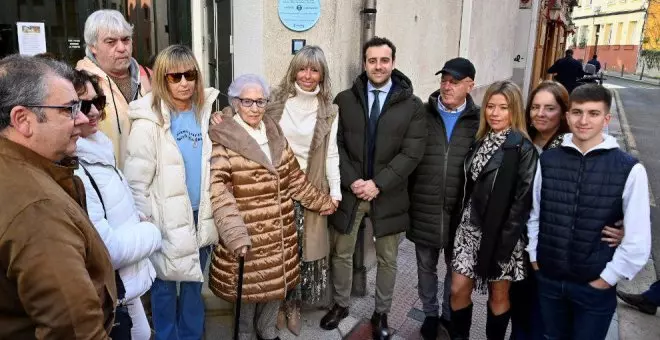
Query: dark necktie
374,113
373,120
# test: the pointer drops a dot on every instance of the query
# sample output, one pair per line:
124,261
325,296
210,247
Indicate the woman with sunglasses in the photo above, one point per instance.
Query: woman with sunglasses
111,208
167,166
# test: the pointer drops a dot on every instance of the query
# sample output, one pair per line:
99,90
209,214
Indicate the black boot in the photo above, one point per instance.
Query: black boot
461,321
496,325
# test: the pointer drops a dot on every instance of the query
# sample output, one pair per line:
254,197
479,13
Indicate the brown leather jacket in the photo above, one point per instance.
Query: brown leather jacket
259,213
56,279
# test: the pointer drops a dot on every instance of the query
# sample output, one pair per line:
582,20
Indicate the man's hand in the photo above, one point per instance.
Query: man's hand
369,191
356,187
535,266
613,235
600,284
216,118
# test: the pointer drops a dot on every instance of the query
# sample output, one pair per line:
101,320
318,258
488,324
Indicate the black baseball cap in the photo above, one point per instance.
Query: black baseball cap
459,68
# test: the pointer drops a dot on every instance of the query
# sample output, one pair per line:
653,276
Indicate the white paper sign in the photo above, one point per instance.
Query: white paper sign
31,38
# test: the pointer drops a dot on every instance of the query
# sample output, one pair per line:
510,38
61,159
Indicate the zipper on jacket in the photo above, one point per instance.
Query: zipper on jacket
279,204
577,197
114,104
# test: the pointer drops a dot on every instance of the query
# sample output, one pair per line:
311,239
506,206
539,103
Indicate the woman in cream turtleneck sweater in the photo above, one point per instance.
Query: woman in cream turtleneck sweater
303,107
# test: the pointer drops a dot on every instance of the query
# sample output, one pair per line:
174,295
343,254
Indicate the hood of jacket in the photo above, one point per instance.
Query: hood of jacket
402,88
608,142
95,149
142,109
234,137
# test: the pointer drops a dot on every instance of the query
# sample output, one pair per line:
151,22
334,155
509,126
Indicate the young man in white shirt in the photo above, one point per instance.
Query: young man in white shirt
579,187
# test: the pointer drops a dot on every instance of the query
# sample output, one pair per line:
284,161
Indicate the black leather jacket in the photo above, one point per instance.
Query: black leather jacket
501,199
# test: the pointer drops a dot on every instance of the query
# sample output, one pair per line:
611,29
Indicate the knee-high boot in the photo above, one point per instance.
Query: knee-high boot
496,325
461,321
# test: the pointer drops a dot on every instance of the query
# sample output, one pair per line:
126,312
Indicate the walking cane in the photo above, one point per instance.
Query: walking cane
239,294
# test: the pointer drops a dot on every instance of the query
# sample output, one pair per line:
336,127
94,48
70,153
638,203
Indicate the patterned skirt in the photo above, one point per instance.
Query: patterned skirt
466,250
313,275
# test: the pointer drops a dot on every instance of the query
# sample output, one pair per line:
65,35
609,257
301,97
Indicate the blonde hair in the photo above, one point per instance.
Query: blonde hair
168,60
513,96
308,56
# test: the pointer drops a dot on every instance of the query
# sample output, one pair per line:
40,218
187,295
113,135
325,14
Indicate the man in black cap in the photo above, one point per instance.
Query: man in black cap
453,119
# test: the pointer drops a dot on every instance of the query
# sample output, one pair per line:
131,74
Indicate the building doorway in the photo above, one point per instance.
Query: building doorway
219,40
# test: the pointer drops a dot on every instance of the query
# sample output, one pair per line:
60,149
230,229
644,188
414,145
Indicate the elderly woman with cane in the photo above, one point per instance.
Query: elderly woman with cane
255,218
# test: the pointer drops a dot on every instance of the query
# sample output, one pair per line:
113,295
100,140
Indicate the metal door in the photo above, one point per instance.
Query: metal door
219,46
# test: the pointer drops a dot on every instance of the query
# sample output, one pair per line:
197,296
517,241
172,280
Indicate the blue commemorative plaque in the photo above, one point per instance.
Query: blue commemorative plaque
299,15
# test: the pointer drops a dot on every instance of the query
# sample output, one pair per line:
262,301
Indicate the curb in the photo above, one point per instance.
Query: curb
636,80
628,137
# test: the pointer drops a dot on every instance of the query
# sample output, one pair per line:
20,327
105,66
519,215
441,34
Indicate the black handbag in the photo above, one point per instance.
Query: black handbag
121,329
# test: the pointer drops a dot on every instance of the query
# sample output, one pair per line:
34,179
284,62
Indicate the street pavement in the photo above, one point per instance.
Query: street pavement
636,107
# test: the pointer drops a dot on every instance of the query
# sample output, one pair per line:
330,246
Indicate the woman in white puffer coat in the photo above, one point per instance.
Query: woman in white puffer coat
130,241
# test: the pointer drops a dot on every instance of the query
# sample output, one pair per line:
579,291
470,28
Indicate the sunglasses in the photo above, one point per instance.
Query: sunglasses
174,78
86,105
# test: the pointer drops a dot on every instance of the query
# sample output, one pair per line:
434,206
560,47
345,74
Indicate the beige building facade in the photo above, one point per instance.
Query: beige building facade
426,32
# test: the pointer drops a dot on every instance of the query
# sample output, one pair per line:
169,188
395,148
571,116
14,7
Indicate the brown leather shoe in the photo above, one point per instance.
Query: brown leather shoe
293,317
331,320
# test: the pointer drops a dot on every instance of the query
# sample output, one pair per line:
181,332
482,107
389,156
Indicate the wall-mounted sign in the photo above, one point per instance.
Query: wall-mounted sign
297,45
74,43
31,38
299,15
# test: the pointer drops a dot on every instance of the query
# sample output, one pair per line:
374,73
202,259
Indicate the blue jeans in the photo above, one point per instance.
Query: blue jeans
179,317
653,294
573,310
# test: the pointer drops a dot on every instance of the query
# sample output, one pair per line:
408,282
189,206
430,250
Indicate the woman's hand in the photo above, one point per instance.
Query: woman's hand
613,235
216,118
331,210
240,252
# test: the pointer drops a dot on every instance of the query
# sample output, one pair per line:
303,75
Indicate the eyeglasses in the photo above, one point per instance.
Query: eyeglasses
247,102
98,102
174,78
73,108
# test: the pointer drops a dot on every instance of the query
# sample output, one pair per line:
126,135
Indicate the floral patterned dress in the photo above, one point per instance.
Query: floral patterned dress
313,274
468,235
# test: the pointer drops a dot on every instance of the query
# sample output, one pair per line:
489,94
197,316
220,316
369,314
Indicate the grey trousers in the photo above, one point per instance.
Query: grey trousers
343,247
427,277
258,319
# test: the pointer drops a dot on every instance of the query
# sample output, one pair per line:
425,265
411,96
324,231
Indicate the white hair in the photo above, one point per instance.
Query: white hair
239,84
105,21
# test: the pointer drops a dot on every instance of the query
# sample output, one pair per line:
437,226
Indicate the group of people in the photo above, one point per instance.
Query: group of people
124,180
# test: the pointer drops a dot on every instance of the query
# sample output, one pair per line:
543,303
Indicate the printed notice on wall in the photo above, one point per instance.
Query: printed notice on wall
31,38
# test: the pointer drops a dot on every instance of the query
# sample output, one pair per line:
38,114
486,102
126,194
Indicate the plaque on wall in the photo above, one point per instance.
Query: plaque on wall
299,15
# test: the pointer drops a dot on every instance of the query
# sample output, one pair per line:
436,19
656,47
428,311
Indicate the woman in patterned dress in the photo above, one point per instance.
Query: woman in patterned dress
489,229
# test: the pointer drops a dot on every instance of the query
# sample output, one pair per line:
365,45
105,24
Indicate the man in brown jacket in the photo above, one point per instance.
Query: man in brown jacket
56,279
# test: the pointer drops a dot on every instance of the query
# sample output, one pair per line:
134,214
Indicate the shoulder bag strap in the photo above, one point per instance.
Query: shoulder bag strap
121,290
